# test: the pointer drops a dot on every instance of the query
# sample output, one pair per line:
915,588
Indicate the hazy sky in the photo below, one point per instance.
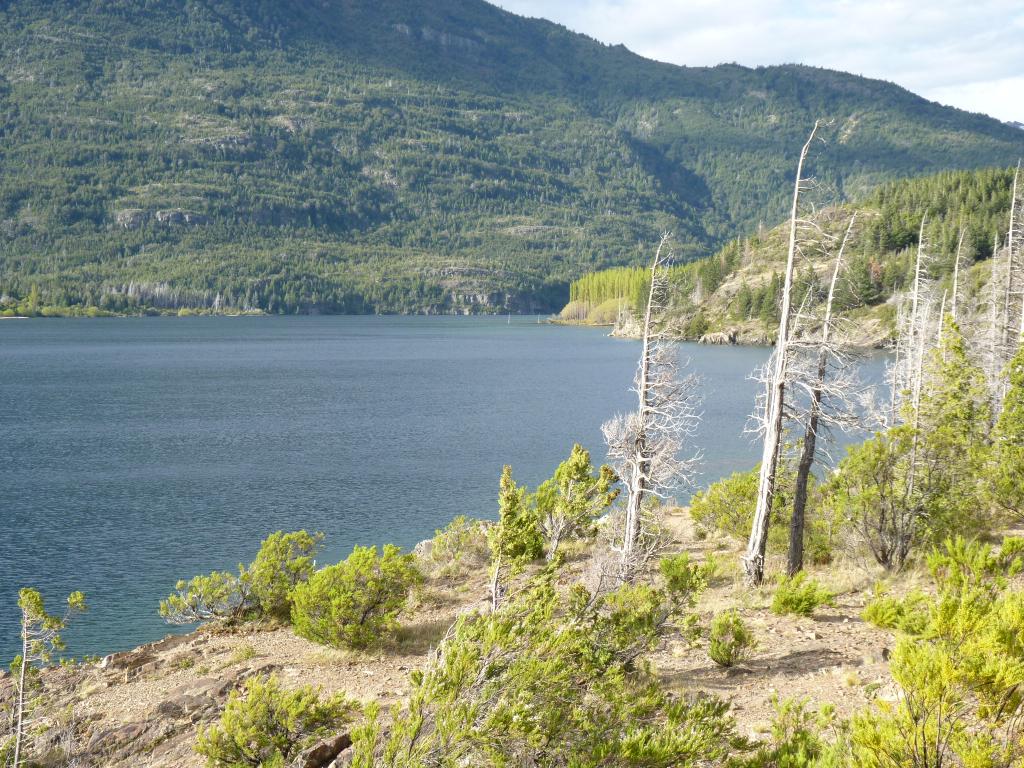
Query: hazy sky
966,53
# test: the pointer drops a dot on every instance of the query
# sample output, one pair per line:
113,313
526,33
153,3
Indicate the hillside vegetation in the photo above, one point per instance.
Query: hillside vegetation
736,291
395,156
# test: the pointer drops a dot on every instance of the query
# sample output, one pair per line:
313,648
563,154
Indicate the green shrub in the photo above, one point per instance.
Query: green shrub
219,596
1006,473
908,614
961,680
551,680
264,725
261,590
568,505
284,561
462,543
731,642
517,537
800,595
728,506
797,738
355,603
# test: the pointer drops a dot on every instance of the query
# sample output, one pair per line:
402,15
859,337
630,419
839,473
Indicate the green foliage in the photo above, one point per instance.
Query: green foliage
284,561
266,726
727,505
879,256
41,630
731,641
870,490
461,544
517,538
909,487
355,603
961,678
907,614
261,590
300,157
685,580
568,505
797,738
220,596
556,681
1006,472
800,595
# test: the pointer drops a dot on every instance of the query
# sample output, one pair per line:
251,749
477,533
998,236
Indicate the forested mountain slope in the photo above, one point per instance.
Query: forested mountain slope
358,156
736,291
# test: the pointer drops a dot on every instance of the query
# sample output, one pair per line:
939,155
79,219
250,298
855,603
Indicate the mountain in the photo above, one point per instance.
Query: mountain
734,294
397,156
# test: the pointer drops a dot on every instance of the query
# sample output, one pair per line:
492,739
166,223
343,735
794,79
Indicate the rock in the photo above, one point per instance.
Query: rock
325,753
720,337
188,707
179,216
131,218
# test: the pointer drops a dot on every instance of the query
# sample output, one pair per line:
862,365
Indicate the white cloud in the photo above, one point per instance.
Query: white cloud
967,55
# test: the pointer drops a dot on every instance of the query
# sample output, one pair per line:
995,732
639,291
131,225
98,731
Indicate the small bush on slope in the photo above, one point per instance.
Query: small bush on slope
731,641
800,595
556,681
262,590
355,603
266,726
459,545
961,678
908,614
284,561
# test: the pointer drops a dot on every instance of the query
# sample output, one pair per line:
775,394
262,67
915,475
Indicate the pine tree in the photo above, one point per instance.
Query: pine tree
953,424
1006,475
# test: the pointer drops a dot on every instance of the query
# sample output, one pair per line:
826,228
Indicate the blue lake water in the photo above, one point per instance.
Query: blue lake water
134,452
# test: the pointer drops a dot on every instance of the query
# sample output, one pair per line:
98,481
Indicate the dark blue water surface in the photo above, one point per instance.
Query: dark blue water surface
134,452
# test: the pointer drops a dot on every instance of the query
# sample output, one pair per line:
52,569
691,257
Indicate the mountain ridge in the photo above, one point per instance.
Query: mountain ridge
347,156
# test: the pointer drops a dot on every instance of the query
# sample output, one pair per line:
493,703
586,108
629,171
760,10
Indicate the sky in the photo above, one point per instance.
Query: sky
964,53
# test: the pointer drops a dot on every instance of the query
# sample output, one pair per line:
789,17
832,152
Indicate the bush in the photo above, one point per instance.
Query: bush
1006,474
219,596
908,614
551,680
355,603
517,537
265,725
568,505
262,590
728,506
463,542
796,738
731,641
284,561
961,679
800,595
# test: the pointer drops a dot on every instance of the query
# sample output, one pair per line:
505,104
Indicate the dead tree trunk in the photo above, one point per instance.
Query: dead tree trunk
640,479
956,272
795,559
753,560
1015,236
644,445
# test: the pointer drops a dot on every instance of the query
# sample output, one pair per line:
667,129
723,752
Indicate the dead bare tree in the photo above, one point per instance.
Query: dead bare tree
1015,235
753,559
956,273
827,351
645,445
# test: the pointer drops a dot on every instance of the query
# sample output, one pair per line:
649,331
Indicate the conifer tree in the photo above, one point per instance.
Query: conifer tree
1007,469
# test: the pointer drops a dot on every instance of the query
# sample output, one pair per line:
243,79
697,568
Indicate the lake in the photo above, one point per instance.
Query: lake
134,452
